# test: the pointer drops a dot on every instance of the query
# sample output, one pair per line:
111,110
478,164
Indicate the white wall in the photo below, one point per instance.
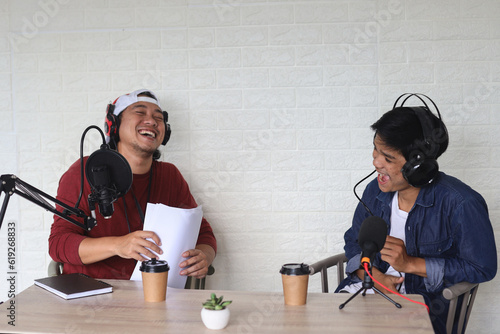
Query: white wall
270,104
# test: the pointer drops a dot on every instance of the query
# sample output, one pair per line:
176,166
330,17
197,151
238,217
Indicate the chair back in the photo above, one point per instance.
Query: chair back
323,265
466,293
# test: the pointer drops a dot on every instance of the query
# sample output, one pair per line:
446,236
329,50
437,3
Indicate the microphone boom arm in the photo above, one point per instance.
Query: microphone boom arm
11,184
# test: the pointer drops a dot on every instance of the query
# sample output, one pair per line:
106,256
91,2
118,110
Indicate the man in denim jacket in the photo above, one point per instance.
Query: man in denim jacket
439,230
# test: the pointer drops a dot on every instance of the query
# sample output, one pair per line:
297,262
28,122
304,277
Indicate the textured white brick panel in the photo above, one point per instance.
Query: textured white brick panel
174,38
39,82
246,36
156,61
220,14
258,182
249,202
322,97
4,20
174,80
296,77
250,160
267,14
404,31
62,63
317,222
215,58
363,54
291,242
203,161
293,34
85,42
340,201
243,78
133,40
201,37
348,159
323,181
437,51
147,17
218,182
467,29
244,120
321,12
269,98
364,11
364,97
460,72
327,139
480,9
5,82
350,75
297,160
198,79
433,10
119,61
77,82
5,62
268,56
211,140
322,55
215,99
271,140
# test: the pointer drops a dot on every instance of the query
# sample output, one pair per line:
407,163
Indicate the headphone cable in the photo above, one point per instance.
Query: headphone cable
359,199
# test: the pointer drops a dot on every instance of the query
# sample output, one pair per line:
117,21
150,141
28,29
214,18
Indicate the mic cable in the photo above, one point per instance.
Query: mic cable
359,199
397,293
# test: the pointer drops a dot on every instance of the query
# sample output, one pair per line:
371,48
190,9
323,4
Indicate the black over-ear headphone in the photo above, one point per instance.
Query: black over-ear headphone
112,124
422,166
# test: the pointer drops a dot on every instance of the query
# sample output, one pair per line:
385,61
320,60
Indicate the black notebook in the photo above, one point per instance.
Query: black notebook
73,285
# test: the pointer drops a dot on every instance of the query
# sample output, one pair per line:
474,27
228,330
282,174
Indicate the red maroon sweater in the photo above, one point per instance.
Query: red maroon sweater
167,187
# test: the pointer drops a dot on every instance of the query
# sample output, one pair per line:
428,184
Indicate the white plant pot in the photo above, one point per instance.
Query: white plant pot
215,319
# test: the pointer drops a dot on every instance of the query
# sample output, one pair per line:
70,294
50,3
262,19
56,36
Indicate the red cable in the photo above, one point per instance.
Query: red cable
397,293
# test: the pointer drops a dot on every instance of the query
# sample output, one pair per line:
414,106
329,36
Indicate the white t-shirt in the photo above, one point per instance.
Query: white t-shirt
398,230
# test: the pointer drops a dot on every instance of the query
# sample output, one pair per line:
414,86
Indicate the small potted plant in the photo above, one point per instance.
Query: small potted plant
215,314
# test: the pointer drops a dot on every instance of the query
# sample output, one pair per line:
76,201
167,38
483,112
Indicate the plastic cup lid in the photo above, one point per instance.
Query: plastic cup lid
295,269
154,266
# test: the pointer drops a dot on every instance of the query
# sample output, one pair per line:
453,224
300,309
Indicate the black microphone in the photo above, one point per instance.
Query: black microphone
109,176
371,238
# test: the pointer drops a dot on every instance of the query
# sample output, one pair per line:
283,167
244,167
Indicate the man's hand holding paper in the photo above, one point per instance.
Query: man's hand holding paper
178,231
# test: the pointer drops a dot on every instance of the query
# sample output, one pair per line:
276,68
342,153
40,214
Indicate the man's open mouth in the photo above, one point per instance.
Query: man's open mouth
147,133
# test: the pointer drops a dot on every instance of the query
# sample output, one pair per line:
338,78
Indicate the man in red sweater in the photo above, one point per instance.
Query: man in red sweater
136,127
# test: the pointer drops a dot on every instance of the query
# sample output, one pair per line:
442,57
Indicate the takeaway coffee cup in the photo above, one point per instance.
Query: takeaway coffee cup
154,279
295,277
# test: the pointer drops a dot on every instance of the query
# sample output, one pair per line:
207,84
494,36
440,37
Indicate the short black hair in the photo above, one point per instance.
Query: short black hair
400,129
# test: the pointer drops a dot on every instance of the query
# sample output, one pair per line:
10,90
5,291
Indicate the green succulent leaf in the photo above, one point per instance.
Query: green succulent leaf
216,303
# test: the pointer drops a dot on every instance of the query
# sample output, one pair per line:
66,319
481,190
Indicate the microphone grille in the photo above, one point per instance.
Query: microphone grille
373,230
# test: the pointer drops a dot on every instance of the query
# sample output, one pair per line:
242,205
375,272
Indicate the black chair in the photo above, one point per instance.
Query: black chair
56,268
463,290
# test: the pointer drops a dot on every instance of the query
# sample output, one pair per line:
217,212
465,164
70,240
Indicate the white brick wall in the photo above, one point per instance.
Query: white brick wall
270,104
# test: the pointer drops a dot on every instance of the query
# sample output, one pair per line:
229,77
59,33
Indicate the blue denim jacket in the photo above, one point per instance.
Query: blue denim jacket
448,226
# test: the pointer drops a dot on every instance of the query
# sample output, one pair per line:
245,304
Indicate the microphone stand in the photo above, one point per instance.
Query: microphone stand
368,284
11,184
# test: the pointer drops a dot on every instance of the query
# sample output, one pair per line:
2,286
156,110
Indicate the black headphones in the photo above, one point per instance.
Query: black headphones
112,124
422,166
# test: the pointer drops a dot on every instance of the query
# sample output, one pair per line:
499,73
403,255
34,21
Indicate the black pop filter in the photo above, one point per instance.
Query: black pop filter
109,176
371,237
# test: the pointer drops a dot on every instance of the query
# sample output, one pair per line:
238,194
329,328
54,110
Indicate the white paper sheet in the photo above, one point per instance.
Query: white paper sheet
178,231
